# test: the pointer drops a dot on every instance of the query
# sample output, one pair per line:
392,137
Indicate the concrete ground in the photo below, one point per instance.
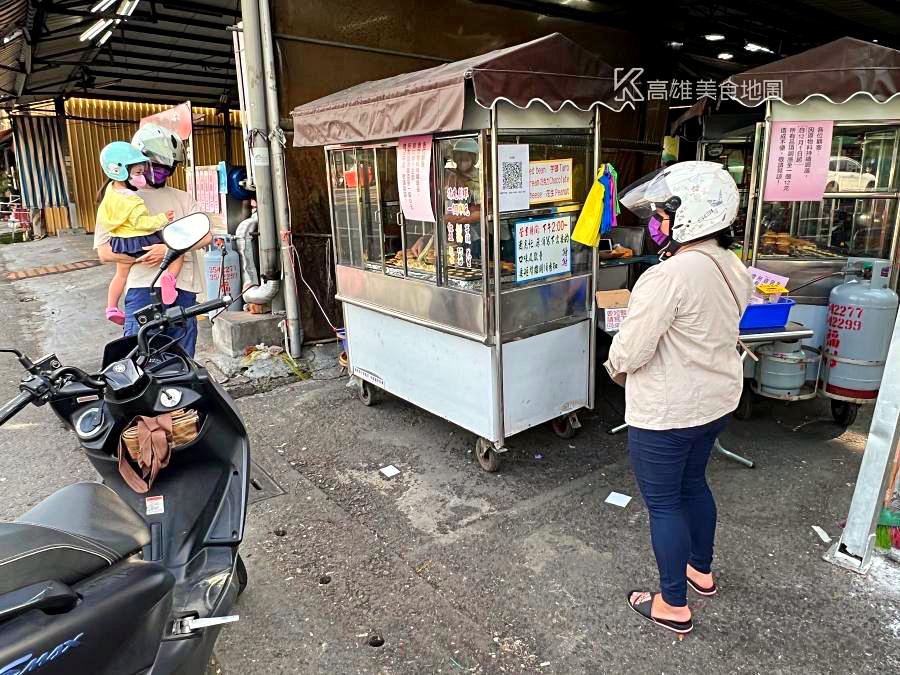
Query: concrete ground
456,570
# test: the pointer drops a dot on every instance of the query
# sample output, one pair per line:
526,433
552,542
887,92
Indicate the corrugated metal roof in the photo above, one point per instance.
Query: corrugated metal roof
13,16
166,51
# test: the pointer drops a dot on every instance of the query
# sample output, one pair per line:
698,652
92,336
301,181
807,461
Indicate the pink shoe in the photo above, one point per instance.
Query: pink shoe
167,285
115,315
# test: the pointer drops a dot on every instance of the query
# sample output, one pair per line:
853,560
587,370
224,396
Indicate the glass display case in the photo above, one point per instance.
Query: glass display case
432,287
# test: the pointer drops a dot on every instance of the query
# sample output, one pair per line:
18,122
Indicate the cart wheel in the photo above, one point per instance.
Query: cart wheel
367,393
844,413
744,411
562,427
488,458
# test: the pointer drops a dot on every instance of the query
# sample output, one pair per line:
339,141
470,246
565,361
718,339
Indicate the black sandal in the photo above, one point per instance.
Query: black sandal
645,608
712,590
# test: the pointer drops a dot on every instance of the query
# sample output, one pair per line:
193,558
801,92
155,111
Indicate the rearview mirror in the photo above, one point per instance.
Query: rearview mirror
185,233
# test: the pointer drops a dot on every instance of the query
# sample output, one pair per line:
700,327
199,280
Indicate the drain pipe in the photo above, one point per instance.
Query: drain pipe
257,137
256,292
279,184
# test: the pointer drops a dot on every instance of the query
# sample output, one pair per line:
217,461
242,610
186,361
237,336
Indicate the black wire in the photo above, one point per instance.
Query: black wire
816,280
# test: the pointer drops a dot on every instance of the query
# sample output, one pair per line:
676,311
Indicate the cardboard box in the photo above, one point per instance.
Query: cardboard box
615,307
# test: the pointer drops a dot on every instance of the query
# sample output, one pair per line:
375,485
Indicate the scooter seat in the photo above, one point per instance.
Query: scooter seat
73,533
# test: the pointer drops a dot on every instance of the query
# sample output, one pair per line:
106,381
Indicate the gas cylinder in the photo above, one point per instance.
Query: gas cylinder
860,320
221,266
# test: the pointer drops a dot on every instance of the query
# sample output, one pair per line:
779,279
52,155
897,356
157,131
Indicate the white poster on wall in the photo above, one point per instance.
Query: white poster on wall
414,177
513,163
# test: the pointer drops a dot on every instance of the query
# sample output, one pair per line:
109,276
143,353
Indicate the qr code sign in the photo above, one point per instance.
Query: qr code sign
512,175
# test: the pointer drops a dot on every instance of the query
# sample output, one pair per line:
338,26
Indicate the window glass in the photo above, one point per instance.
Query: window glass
832,228
460,212
345,205
861,159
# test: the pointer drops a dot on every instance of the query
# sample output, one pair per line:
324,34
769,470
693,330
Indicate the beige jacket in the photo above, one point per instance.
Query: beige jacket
677,345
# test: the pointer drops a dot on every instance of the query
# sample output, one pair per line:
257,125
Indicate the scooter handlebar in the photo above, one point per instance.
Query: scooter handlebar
15,406
173,315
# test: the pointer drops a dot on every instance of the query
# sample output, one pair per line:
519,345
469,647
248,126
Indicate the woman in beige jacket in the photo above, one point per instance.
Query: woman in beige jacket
676,353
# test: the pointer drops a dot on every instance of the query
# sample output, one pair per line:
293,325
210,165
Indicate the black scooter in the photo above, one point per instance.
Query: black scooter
98,578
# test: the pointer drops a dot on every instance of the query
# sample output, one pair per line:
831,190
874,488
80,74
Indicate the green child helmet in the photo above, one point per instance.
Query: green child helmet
116,157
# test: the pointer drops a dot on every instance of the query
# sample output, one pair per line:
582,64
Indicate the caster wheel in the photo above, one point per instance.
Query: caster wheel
241,571
562,427
844,413
488,458
744,411
367,393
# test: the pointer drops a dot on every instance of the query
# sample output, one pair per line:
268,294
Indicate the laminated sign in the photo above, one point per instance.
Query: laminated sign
543,248
799,155
550,180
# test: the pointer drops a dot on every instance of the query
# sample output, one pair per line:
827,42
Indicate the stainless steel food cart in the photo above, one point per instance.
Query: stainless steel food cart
851,83
455,316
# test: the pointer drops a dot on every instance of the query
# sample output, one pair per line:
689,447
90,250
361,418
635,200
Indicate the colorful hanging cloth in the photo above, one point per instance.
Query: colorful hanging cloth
598,216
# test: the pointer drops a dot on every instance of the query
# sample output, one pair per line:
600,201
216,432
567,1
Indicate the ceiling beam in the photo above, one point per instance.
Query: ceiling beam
228,76
153,77
190,49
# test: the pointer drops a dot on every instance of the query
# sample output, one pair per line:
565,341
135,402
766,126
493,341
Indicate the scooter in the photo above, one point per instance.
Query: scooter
98,578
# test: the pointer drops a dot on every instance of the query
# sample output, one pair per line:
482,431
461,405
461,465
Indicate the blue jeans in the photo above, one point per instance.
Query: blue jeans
670,467
138,298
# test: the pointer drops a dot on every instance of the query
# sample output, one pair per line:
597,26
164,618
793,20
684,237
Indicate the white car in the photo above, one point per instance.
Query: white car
847,175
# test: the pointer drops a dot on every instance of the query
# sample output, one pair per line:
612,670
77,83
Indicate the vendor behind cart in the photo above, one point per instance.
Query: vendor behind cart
677,349
462,195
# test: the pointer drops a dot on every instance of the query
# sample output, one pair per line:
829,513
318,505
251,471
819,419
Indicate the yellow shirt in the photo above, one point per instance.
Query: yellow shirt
126,215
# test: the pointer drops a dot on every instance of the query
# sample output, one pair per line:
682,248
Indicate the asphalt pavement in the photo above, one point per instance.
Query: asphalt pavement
447,569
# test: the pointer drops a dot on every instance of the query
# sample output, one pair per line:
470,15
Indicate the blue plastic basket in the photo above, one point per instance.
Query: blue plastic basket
767,315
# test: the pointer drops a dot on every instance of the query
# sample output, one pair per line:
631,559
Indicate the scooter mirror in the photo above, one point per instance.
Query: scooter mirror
185,233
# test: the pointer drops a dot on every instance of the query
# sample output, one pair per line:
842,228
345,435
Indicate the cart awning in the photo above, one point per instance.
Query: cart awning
553,70
836,71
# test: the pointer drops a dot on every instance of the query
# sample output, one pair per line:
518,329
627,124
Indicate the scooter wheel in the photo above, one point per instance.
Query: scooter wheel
240,569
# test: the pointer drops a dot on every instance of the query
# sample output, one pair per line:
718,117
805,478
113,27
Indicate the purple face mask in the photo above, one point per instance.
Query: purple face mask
159,174
656,233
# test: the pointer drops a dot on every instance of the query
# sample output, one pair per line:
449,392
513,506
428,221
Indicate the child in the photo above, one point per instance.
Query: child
129,223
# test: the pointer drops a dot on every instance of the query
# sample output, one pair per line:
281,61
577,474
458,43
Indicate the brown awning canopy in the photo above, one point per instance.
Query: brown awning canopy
836,71
553,70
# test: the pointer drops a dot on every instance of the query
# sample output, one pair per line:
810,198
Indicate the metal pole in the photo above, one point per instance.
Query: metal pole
279,185
751,195
595,270
761,191
495,236
854,549
257,138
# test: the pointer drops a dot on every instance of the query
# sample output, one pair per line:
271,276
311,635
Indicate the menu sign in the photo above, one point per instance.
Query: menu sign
414,177
208,195
550,180
799,153
543,248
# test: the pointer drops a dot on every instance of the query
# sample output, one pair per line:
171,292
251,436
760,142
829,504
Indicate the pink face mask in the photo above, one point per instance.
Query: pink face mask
138,180
656,233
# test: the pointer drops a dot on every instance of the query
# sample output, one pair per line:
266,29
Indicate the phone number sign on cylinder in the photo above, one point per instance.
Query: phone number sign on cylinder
543,248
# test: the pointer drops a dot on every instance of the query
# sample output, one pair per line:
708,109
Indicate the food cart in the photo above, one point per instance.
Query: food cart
834,109
453,193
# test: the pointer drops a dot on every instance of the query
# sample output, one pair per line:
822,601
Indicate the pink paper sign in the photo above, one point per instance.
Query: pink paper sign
799,153
414,177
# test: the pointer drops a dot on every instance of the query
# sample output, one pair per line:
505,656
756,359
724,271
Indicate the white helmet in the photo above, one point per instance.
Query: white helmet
159,145
701,199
